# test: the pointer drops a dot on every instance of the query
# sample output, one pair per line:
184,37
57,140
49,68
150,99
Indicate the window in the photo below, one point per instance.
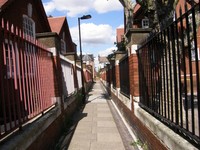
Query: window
9,58
28,26
30,10
63,44
145,23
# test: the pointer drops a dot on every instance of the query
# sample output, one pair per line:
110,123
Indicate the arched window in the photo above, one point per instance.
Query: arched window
30,10
28,22
28,26
63,44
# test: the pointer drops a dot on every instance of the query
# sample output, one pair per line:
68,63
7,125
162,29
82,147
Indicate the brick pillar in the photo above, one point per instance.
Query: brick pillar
117,77
111,78
58,73
107,75
133,76
57,77
118,56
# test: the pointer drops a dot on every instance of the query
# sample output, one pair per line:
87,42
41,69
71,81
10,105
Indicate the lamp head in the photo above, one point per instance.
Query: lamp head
86,17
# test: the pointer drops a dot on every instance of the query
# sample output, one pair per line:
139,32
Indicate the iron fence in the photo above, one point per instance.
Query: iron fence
26,78
113,77
79,77
108,76
169,75
68,75
124,76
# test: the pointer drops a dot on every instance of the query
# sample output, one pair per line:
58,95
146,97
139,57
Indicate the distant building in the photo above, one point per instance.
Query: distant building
60,26
102,61
88,59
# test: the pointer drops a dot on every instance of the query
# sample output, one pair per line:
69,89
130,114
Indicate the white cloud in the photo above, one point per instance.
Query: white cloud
92,34
74,7
70,7
120,26
49,7
103,6
107,51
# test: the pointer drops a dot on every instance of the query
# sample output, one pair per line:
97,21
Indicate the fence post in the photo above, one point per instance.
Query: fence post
52,43
118,56
133,75
117,77
58,76
72,56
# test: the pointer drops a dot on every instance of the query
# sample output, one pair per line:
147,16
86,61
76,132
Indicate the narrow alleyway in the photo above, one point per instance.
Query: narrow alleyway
99,126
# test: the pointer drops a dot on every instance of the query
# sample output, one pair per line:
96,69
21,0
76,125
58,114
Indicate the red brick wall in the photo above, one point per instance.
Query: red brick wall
133,75
117,76
110,72
57,76
144,134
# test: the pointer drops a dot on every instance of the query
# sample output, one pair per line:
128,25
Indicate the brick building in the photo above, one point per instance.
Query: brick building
129,93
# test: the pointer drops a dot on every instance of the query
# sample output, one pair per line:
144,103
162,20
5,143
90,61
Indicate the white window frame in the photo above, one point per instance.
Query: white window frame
63,44
145,23
10,59
28,26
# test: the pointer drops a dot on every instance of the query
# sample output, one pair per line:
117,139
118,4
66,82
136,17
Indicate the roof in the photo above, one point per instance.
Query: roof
88,57
120,33
56,23
137,11
136,8
103,59
2,2
5,3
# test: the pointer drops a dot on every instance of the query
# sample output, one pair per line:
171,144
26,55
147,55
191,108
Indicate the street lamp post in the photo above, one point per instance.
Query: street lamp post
82,73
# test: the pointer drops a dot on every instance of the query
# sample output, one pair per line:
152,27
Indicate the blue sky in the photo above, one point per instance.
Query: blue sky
98,33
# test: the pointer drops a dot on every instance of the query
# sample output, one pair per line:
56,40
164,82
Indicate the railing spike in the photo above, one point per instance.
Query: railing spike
2,23
180,11
17,31
186,7
12,28
20,33
7,25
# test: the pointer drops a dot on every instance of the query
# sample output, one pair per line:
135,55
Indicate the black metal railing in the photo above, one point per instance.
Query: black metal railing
169,75
108,74
124,76
113,77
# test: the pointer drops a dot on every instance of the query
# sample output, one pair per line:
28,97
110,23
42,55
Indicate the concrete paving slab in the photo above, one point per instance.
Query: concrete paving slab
103,110
107,146
88,136
108,137
104,130
96,129
103,119
83,130
106,124
85,124
79,145
89,118
104,115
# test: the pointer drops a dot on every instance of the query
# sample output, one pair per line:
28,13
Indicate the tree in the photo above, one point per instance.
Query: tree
159,12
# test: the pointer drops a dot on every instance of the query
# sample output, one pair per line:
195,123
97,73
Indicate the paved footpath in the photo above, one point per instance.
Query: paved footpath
96,129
